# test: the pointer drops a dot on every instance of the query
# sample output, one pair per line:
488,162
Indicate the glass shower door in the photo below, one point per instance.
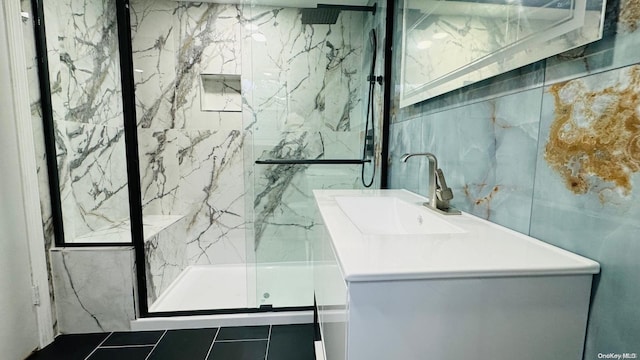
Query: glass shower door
303,100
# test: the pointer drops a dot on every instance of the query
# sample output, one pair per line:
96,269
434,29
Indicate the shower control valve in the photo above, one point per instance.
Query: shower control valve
375,79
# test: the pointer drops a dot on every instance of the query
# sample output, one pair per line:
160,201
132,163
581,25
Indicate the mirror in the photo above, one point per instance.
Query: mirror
448,44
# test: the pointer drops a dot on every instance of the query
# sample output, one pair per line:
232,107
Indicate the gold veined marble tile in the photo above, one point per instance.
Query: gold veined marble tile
630,14
594,140
475,197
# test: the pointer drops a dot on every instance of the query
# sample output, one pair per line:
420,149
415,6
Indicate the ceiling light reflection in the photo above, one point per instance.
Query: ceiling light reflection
440,35
259,37
425,44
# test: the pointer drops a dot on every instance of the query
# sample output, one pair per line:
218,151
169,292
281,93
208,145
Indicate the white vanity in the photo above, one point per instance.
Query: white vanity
394,280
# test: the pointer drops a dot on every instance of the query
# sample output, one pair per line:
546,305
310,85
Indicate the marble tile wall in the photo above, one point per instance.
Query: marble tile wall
87,113
550,150
164,254
84,279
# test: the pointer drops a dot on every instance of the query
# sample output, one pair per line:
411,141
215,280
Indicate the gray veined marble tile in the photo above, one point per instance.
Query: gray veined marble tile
155,66
195,174
158,169
174,46
83,62
304,74
93,178
191,159
87,113
211,196
286,224
209,38
84,279
165,253
213,34
278,186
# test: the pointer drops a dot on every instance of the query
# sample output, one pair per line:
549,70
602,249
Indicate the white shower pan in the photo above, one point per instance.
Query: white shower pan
233,286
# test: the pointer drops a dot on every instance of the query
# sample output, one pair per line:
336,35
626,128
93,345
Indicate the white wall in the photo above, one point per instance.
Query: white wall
18,330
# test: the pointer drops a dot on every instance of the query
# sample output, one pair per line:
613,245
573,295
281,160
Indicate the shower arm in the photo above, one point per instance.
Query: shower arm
372,9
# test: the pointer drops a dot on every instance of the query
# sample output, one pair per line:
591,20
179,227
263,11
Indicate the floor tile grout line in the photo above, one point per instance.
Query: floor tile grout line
129,345
240,340
266,354
213,342
156,345
96,348
125,346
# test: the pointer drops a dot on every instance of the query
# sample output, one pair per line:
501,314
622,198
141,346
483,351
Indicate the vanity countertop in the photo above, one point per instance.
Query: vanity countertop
476,249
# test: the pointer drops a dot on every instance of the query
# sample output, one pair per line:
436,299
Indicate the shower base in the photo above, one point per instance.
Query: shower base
206,287
219,287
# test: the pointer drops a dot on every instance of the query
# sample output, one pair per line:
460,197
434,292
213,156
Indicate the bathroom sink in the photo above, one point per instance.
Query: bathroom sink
375,215
474,289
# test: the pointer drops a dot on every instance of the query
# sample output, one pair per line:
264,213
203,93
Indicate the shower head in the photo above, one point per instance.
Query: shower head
373,39
328,14
320,15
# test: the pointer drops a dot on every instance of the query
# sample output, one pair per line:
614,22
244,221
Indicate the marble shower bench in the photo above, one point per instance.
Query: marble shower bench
85,276
120,232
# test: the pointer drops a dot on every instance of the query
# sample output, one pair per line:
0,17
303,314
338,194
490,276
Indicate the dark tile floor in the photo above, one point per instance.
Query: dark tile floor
271,342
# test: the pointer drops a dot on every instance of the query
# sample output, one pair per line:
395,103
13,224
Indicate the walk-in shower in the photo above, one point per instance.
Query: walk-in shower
273,106
238,111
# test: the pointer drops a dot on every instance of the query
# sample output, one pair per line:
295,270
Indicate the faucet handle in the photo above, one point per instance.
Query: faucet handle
443,192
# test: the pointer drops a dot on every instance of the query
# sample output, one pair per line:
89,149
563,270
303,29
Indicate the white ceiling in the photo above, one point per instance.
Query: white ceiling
291,3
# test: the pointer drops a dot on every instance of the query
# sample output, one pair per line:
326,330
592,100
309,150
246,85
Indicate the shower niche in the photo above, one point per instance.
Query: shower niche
220,92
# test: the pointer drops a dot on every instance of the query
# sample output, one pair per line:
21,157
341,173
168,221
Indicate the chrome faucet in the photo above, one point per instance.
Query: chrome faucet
439,193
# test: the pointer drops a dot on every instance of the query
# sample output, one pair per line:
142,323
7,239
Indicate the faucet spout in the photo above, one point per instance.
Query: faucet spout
432,158
439,193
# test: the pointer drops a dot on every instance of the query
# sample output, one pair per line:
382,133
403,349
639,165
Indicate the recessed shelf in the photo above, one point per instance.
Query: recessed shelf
220,92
